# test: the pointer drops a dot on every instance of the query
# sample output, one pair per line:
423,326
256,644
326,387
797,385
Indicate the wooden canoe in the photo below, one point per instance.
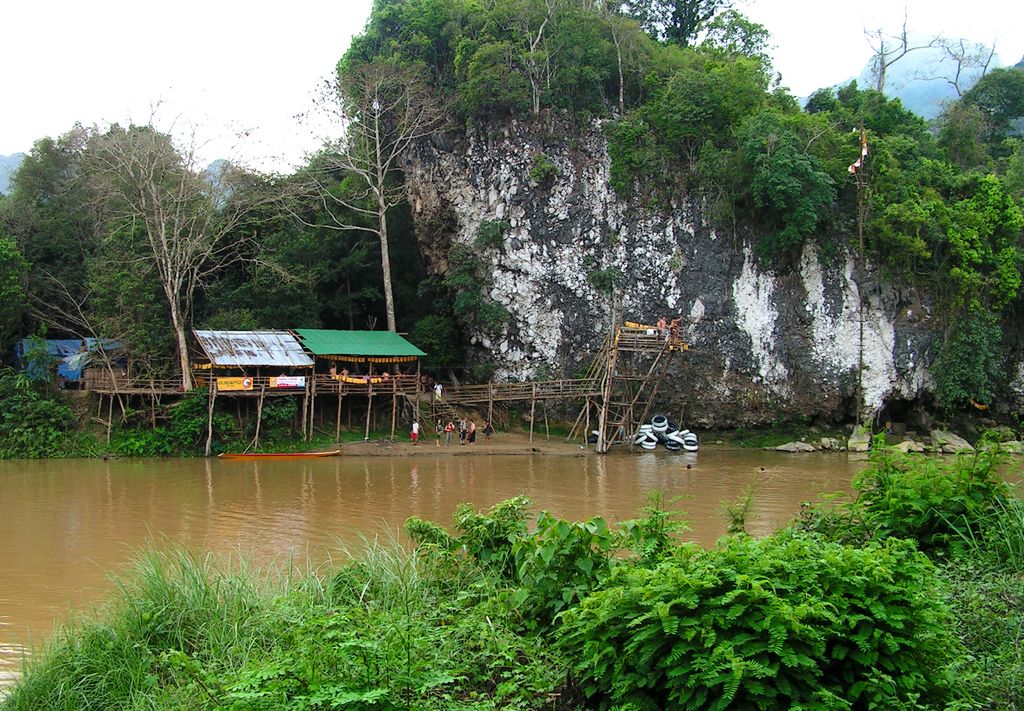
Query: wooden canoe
278,455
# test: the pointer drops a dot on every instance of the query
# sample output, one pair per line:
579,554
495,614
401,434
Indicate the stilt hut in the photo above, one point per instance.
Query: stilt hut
256,364
363,363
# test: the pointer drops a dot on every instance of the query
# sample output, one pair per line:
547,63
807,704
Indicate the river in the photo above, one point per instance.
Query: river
69,524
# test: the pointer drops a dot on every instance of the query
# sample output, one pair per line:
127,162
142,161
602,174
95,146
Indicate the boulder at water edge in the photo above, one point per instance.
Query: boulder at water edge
949,443
860,440
794,447
909,445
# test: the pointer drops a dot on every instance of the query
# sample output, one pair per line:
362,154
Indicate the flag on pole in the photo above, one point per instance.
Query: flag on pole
856,165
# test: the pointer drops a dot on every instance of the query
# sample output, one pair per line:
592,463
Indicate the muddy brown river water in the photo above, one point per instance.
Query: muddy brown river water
66,525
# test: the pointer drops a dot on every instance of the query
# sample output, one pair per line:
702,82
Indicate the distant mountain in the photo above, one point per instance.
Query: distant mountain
8,164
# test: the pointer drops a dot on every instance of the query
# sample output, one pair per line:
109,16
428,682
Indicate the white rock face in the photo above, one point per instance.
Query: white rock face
756,315
766,339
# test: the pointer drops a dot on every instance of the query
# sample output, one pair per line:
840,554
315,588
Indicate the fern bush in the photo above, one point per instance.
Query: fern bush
784,621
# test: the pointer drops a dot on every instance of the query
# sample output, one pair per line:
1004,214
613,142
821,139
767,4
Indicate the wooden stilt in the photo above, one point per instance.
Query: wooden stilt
110,417
209,416
394,406
305,412
490,403
586,432
533,407
547,431
259,416
312,404
337,423
417,413
369,409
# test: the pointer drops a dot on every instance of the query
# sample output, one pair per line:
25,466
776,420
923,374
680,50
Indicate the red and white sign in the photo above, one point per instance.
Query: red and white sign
288,381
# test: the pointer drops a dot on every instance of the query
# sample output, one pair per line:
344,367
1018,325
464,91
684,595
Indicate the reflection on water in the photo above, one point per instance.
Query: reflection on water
69,524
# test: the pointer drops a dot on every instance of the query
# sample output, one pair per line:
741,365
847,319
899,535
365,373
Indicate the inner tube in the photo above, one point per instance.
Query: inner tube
649,444
673,446
690,446
659,423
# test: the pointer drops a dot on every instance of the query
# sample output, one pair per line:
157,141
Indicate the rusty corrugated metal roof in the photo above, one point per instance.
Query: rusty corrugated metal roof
244,348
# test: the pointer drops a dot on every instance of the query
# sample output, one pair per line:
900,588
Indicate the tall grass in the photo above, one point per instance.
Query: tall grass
388,628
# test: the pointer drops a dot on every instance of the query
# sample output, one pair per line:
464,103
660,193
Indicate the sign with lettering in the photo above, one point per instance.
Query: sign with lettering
288,381
234,383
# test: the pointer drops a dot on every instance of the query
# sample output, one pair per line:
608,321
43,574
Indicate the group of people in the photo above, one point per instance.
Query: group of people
669,327
467,430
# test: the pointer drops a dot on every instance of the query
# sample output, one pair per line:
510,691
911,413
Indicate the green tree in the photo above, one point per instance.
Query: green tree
13,274
787,184
676,21
971,362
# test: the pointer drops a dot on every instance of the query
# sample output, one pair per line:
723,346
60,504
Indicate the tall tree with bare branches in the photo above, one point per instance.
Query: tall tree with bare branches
168,213
383,109
887,49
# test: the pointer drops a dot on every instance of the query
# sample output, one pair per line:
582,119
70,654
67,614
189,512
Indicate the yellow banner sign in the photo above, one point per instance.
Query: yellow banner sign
234,383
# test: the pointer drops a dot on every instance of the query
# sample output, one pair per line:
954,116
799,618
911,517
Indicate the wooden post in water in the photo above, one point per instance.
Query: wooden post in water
209,414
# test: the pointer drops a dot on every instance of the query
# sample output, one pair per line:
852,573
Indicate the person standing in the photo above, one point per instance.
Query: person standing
438,429
437,391
448,429
471,435
462,431
415,434
488,432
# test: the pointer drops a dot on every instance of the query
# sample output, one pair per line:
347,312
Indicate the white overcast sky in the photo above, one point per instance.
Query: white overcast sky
231,68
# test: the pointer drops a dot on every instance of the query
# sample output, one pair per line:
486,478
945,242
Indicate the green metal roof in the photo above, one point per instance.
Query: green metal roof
356,343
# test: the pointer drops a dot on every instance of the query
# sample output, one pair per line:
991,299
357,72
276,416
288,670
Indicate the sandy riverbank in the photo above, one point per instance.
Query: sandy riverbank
504,443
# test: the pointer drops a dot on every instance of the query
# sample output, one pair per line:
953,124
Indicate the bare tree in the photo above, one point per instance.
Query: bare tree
888,49
970,62
150,190
383,111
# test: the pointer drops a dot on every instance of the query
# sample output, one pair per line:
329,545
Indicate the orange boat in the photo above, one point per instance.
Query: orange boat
277,455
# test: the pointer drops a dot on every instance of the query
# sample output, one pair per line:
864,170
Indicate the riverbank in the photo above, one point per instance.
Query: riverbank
505,443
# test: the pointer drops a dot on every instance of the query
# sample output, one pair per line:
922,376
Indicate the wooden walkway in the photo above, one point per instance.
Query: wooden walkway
622,383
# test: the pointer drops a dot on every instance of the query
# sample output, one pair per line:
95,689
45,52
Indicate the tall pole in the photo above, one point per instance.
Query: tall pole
861,176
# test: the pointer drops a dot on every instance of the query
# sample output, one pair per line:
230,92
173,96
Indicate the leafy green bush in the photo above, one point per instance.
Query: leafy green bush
468,281
489,233
185,432
544,171
939,504
775,623
33,422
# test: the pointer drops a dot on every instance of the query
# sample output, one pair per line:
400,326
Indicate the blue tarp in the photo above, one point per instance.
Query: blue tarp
71,354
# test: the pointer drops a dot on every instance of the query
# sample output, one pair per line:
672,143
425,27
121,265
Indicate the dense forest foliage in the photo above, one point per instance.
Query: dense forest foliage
691,108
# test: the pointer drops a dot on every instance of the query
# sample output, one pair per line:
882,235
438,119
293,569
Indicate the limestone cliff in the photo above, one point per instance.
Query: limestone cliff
767,343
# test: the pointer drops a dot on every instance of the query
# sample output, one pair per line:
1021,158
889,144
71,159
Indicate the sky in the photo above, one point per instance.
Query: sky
235,75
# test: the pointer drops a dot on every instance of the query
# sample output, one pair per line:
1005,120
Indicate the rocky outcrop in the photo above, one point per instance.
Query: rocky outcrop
949,443
768,341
